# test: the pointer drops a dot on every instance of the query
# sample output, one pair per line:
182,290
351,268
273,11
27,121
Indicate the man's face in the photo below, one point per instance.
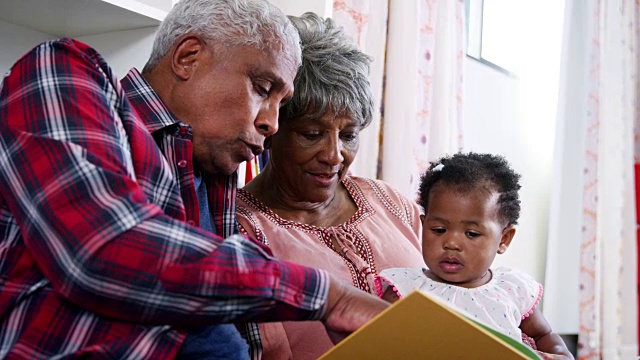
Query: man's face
232,100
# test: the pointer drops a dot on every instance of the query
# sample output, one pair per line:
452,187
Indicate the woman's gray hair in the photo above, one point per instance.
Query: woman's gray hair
334,77
226,23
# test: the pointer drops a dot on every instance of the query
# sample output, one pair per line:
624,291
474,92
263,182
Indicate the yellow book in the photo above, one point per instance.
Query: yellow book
421,327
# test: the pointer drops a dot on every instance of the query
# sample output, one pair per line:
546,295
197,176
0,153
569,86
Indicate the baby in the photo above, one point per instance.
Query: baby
472,205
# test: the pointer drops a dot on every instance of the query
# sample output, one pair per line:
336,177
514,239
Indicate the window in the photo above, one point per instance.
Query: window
493,32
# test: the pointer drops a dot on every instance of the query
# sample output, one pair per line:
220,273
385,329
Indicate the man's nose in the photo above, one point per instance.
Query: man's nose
267,120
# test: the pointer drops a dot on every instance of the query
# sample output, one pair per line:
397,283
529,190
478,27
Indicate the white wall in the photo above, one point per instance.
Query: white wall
565,225
164,5
15,41
124,49
324,8
493,124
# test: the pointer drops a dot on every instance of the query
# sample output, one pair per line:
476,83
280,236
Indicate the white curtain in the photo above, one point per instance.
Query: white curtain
424,84
418,50
366,23
592,241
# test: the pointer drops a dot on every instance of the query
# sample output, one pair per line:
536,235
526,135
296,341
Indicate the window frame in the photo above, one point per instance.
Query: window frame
474,17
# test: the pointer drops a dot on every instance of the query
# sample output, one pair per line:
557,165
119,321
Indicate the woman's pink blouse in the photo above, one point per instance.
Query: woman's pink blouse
383,233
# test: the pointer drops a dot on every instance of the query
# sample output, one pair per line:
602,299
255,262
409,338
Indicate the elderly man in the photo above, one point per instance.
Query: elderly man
113,207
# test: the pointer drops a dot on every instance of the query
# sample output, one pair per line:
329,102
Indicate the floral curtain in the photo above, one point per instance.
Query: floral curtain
636,157
597,116
420,62
608,208
366,23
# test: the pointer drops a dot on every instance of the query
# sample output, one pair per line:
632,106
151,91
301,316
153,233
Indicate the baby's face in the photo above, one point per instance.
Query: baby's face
461,236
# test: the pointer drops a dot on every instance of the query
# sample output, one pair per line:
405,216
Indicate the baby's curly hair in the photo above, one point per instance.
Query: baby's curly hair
471,171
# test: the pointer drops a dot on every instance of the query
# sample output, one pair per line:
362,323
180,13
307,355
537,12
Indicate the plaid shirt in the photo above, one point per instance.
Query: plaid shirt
100,255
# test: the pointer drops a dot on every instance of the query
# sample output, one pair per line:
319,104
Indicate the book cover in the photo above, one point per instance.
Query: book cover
421,327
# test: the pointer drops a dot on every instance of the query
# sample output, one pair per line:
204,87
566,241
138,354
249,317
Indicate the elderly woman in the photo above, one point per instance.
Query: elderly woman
305,206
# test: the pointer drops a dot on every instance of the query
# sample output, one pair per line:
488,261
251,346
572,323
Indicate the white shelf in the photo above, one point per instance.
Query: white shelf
75,18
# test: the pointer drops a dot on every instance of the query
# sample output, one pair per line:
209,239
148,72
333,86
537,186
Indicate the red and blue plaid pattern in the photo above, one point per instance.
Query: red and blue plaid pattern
100,255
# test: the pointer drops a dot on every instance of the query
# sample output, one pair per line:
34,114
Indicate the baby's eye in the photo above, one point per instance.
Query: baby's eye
473,234
438,231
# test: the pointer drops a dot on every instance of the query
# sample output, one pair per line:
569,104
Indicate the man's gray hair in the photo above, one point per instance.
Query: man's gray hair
226,23
334,77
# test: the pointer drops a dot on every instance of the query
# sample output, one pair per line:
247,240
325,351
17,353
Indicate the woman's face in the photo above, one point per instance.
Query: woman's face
311,156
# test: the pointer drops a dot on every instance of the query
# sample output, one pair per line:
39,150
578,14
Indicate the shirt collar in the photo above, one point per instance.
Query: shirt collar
153,112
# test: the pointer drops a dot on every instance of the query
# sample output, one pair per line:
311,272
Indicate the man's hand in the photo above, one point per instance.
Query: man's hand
348,309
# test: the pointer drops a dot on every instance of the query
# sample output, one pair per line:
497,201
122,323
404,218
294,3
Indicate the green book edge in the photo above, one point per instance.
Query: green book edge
523,349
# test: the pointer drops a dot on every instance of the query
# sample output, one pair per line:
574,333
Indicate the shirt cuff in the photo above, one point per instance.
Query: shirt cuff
304,288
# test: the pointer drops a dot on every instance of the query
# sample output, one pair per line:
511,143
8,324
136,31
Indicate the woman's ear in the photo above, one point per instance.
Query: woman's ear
185,57
507,235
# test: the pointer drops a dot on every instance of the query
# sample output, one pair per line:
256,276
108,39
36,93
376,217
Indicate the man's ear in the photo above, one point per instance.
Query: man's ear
507,235
186,54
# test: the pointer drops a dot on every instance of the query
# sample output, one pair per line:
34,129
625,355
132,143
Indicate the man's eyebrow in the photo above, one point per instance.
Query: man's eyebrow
269,75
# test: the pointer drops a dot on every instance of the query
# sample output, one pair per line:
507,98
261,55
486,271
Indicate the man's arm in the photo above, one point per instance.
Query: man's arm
66,176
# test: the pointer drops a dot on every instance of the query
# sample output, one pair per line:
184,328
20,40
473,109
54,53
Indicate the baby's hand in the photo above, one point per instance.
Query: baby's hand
547,356
390,295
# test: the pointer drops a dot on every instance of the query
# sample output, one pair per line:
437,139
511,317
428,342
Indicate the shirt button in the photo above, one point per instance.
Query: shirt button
191,222
183,130
182,163
299,298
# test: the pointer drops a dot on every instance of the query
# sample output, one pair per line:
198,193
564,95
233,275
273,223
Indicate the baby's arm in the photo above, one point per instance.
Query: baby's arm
549,344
